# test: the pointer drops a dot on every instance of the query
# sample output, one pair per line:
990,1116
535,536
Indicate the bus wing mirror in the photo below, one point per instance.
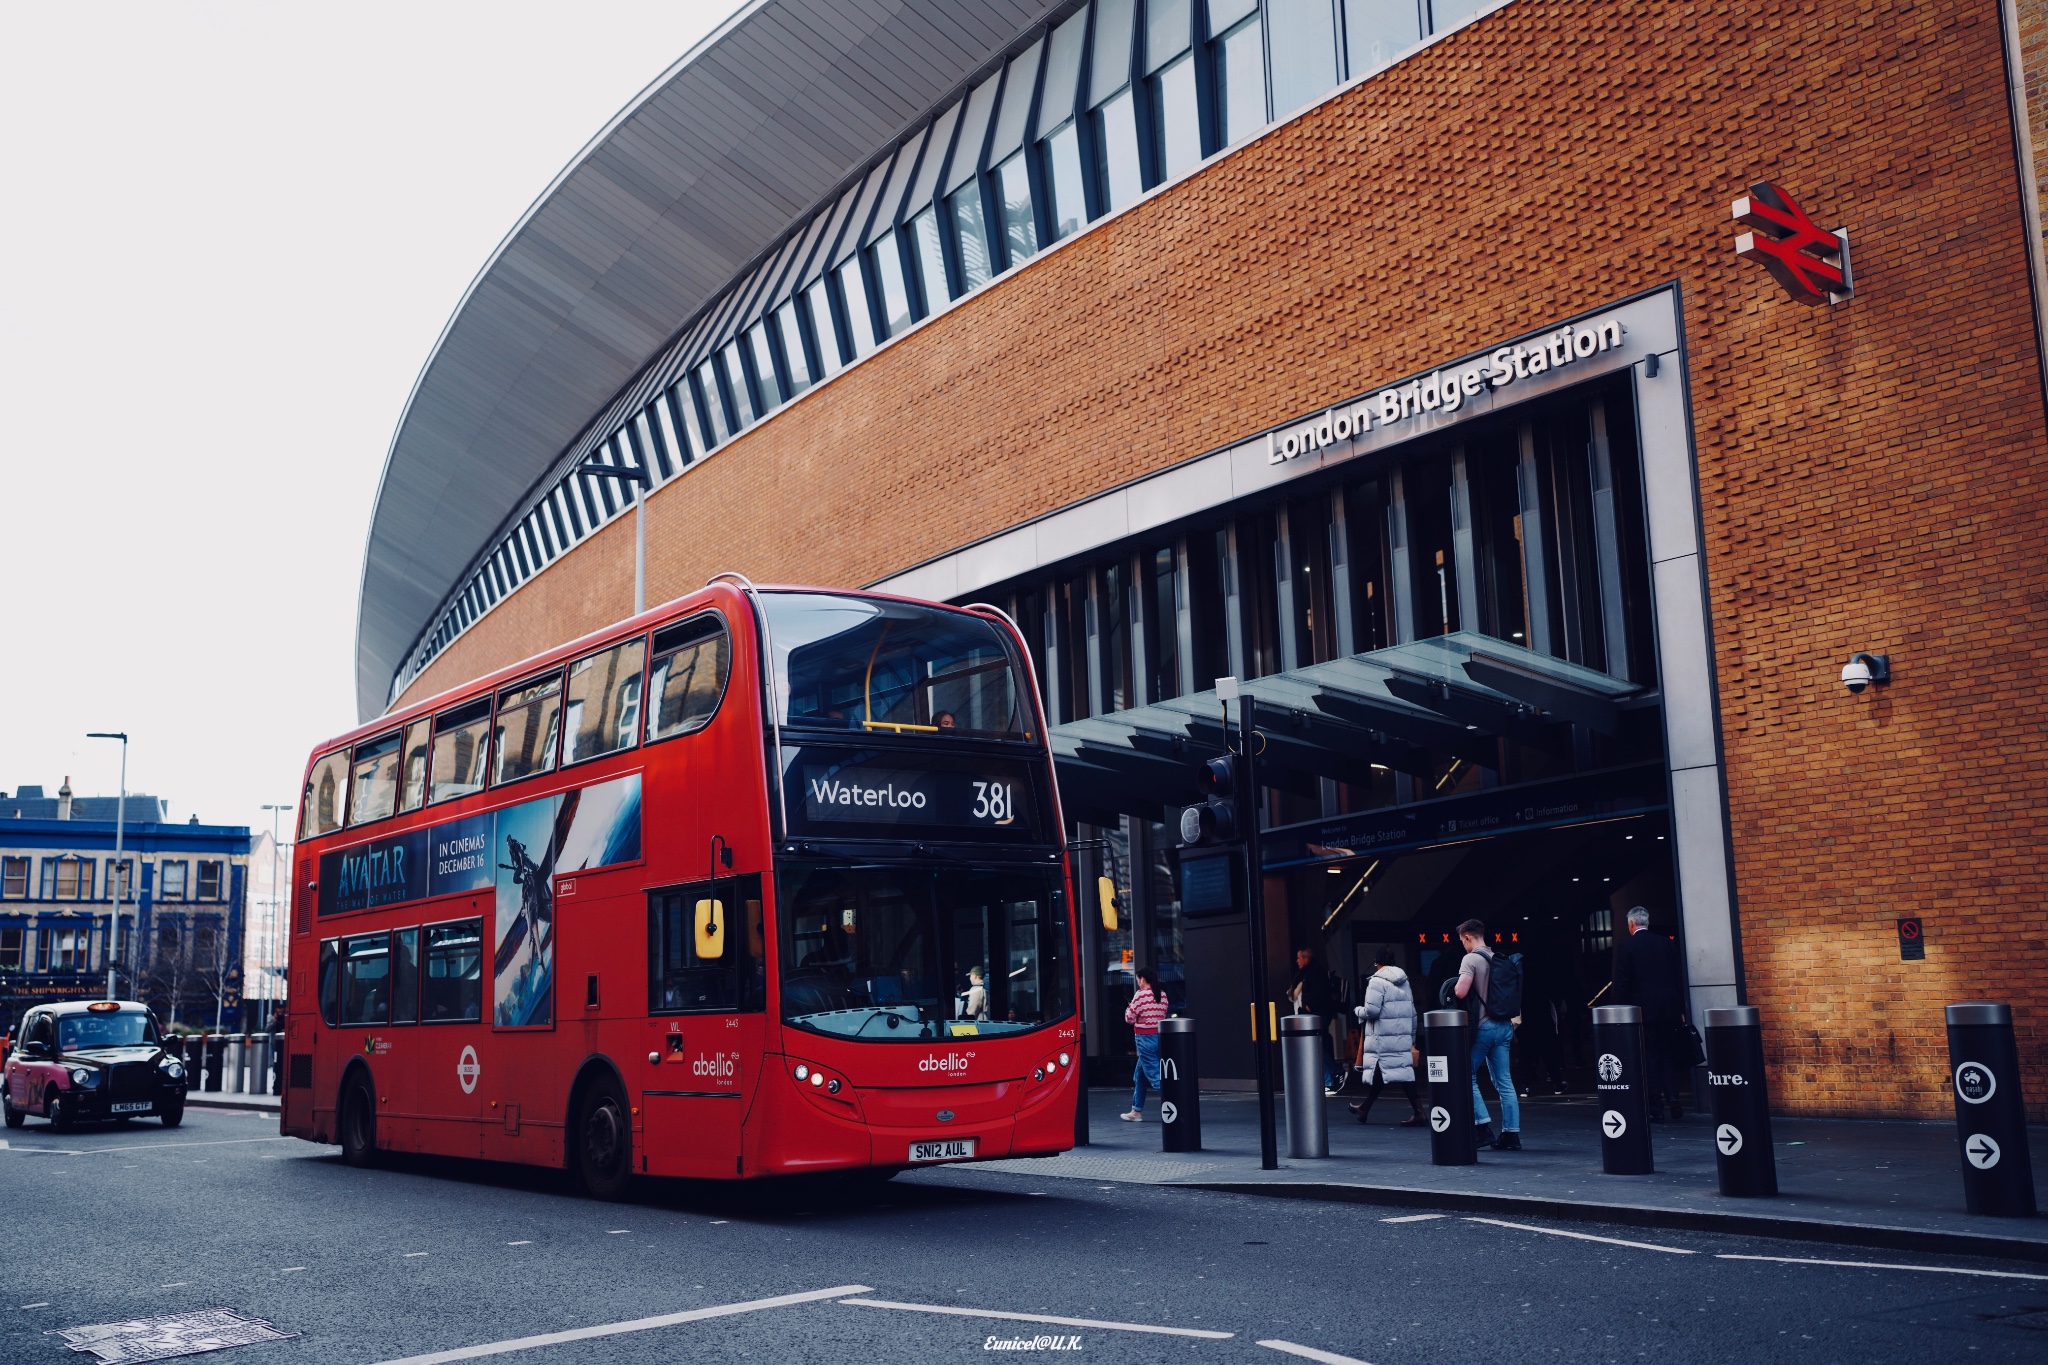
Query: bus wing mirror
710,929
1106,889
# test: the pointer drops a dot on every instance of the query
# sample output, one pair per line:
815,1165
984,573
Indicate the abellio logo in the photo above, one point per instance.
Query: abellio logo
722,1066
951,1064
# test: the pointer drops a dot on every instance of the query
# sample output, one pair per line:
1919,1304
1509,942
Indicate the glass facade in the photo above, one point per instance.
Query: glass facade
1082,119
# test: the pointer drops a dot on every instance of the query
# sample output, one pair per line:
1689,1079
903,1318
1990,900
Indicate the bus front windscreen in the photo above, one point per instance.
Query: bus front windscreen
889,953
870,666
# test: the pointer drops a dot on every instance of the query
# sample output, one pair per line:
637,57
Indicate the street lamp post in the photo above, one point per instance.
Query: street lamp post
120,877
630,474
271,921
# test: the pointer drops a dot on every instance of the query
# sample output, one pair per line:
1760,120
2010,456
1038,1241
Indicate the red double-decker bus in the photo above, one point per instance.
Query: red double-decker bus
763,881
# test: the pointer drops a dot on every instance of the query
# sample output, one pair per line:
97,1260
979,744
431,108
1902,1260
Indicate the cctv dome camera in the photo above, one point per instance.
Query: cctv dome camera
1864,669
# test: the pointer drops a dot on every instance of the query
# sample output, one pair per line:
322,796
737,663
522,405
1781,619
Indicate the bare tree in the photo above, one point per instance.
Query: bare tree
215,967
166,976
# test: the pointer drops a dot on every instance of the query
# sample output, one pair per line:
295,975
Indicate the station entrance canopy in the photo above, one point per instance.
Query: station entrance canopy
1400,708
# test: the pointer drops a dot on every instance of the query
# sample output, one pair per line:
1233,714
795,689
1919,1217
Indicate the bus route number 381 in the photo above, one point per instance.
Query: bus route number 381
994,802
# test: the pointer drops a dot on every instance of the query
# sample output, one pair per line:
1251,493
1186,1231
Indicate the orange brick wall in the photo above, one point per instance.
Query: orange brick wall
1871,474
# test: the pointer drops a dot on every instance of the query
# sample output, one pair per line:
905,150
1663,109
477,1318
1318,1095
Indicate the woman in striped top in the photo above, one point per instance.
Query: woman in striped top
1147,1008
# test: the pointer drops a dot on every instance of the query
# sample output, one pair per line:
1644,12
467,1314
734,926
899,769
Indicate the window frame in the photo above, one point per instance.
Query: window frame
735,886
492,781
489,717
163,875
646,642
398,792
649,708
341,959
8,867
220,880
483,951
307,803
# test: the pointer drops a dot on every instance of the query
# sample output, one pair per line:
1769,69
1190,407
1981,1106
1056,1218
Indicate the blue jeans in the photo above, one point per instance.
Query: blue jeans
1491,1047
1146,1071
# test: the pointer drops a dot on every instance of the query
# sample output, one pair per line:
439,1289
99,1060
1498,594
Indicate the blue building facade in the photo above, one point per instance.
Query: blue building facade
183,907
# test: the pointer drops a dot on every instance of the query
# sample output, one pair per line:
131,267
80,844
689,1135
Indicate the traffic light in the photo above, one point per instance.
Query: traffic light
1215,820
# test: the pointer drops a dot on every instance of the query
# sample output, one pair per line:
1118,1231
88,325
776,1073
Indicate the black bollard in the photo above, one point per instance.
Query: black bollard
1447,1063
1624,1104
1180,1087
1742,1103
214,1046
1991,1116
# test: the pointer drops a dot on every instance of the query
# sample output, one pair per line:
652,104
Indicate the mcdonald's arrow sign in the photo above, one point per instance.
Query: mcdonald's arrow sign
1812,263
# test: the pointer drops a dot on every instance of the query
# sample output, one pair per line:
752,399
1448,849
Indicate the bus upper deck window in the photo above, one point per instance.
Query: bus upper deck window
691,662
529,723
412,790
460,750
376,779
326,800
603,711
873,666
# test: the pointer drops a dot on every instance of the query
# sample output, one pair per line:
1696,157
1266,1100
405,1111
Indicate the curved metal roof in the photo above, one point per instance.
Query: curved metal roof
707,167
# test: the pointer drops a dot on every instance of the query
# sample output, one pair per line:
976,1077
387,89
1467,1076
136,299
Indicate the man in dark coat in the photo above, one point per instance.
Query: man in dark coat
1315,992
1648,974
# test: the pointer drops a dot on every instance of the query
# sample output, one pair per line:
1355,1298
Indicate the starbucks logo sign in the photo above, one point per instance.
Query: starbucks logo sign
1975,1083
1610,1067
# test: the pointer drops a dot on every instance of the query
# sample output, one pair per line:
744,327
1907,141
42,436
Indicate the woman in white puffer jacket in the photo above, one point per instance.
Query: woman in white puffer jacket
1388,1019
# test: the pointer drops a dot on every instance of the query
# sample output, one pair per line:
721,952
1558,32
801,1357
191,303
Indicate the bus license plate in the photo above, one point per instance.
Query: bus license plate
143,1107
956,1149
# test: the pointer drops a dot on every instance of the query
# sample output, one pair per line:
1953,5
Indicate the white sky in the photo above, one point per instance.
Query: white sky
228,236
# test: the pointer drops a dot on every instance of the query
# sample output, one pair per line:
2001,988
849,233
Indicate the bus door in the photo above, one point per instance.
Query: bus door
453,1081
707,991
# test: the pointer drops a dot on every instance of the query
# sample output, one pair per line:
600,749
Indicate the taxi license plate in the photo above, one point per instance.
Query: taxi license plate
955,1149
135,1107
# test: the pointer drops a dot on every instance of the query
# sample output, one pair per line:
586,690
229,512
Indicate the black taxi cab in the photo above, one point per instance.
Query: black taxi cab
86,1062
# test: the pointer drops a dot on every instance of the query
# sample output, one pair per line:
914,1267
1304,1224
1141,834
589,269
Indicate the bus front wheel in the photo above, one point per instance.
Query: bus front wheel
358,1124
604,1141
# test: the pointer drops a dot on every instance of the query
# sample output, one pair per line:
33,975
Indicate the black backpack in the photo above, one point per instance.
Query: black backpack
1504,988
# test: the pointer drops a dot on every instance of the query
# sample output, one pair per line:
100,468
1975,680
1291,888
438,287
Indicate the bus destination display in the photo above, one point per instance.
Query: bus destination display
989,796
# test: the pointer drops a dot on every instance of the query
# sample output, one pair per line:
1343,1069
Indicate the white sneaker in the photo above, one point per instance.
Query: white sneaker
1132,1116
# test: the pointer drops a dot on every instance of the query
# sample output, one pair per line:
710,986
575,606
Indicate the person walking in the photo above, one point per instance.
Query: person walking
1315,992
1147,1008
1648,975
1387,1024
1492,1036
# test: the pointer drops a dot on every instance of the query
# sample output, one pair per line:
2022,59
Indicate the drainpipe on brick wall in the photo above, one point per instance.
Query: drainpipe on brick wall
2030,187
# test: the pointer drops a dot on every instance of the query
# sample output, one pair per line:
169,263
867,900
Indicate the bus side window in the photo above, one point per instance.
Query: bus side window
376,779
451,986
366,979
330,983
691,663
603,714
405,976
412,792
529,725
698,958
326,802
460,750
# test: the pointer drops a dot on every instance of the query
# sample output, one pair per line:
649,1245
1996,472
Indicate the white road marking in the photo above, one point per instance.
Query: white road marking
1585,1237
44,1304
1039,1317
720,1222
612,1329
290,1268
153,1146
527,1243
1880,1265
1311,1353
616,1231
175,1284
410,1254
1408,1218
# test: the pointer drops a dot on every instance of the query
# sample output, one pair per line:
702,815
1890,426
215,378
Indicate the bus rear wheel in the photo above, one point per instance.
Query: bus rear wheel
604,1141
358,1124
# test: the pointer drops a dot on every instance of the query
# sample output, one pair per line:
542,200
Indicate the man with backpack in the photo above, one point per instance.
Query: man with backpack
1494,984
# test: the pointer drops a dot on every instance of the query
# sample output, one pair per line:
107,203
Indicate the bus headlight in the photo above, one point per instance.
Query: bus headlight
803,1073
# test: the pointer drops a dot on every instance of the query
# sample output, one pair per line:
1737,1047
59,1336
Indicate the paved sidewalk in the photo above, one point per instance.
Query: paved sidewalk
1855,1181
